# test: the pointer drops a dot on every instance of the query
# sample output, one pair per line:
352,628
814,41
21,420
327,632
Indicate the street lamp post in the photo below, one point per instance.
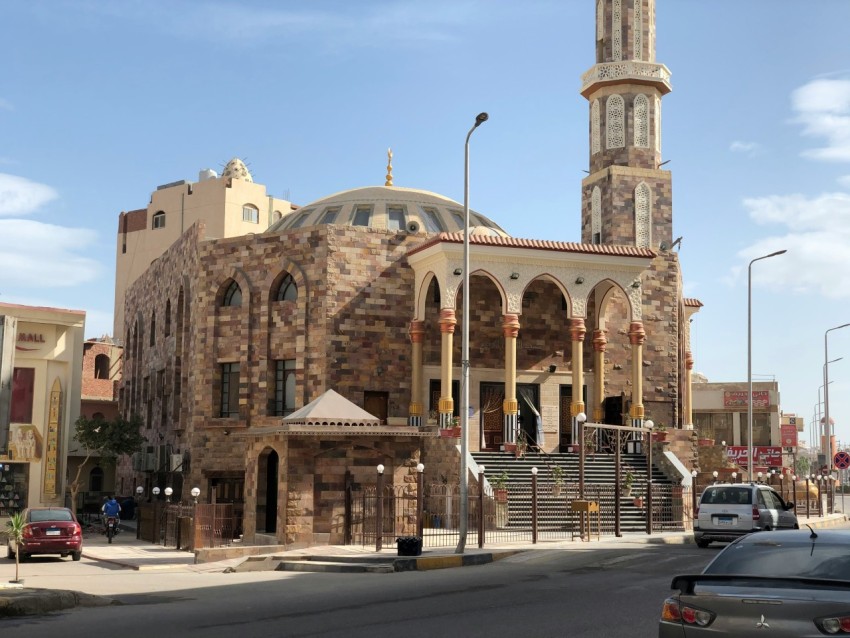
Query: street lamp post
826,424
750,360
464,364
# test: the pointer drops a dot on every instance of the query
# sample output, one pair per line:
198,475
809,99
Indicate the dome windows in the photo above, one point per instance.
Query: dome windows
362,216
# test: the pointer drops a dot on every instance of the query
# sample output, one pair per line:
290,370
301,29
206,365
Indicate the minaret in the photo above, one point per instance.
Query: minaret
626,198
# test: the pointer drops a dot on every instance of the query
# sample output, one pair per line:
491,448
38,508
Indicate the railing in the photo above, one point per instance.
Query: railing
522,516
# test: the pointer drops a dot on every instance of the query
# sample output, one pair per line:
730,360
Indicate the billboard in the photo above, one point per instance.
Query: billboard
789,435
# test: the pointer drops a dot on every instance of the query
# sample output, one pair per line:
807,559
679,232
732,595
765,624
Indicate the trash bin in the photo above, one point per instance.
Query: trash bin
409,545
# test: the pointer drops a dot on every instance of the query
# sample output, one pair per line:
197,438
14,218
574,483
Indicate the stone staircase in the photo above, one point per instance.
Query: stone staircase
599,473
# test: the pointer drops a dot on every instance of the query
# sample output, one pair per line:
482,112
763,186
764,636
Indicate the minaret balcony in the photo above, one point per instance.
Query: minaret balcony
626,72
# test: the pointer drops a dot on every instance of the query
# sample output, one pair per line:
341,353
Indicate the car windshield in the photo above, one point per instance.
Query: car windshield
772,557
40,516
727,495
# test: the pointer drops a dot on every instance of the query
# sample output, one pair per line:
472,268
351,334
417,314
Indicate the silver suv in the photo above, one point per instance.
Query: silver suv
729,510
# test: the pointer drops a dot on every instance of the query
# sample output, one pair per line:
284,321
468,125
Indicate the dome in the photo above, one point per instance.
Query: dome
390,208
237,170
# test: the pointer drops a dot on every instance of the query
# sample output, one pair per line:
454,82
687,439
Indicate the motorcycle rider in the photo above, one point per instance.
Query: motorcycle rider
111,508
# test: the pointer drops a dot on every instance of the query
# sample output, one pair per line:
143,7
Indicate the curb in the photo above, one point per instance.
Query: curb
29,602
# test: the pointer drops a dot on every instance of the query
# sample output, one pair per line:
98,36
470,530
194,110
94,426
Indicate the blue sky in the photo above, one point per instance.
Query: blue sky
101,101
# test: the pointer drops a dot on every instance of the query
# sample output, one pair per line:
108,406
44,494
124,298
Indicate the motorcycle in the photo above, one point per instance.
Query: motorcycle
111,527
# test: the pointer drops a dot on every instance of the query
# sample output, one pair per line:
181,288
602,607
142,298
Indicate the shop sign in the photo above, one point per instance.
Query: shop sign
789,435
764,455
738,399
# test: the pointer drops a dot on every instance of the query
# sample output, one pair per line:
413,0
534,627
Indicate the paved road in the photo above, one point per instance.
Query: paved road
615,591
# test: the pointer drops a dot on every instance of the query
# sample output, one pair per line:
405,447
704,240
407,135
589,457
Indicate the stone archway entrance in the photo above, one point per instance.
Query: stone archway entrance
267,481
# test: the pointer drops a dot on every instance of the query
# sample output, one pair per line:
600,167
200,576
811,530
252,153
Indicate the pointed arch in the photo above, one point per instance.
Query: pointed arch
232,295
658,124
596,216
615,130
287,289
167,326
595,128
640,113
643,215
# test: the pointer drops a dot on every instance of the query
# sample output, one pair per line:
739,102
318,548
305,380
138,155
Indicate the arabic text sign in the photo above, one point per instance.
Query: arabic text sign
738,399
764,455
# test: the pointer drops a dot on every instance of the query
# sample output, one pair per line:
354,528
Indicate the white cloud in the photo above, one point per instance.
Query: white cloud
20,196
45,255
844,180
818,233
748,148
823,108
5,105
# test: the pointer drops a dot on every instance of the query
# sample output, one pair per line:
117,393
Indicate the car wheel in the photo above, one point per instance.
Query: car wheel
76,555
24,557
702,544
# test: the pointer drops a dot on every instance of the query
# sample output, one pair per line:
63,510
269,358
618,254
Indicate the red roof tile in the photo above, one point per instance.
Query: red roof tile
536,244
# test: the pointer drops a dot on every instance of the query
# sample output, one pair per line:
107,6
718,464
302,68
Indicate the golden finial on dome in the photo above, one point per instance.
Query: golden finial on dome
389,181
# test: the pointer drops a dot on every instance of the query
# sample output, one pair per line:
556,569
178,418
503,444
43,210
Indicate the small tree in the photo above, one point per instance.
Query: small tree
803,466
106,440
15,529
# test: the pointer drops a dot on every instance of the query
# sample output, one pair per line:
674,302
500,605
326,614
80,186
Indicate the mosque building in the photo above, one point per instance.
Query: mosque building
277,353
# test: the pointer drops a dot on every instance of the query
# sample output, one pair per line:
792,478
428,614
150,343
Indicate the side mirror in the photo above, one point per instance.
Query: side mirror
789,506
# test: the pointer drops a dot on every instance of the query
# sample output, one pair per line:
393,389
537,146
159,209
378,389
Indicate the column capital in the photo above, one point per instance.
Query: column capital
416,331
577,329
510,326
447,320
600,341
637,335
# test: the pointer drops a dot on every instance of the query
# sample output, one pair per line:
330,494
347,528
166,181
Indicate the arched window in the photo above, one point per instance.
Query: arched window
96,480
233,295
600,20
167,317
595,128
615,131
641,121
596,216
617,31
250,213
101,367
153,328
158,220
658,124
637,30
277,216
288,290
643,216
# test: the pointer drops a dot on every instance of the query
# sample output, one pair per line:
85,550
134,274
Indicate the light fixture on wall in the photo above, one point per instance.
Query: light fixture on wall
579,280
514,275
552,367
226,432
636,283
458,272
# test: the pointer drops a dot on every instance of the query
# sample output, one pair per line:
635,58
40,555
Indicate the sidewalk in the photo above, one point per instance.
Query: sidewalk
128,552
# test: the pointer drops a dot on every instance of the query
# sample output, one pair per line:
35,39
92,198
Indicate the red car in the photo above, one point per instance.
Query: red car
49,530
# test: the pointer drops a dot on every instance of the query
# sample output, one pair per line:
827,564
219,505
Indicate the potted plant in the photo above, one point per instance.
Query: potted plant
659,433
628,482
521,444
500,487
557,480
452,430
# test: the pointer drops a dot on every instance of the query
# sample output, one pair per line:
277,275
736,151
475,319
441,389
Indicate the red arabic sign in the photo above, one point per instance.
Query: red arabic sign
764,455
789,435
738,399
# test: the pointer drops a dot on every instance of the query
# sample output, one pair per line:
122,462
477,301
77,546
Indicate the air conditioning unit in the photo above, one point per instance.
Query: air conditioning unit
413,226
176,464
137,461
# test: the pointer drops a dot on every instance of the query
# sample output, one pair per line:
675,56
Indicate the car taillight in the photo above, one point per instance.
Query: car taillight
27,532
674,611
77,530
696,512
755,512
834,625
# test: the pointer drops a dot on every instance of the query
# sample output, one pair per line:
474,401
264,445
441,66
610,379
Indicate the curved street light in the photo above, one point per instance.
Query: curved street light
750,360
464,363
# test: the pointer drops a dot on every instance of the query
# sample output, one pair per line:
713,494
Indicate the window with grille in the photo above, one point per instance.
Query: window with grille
229,390
250,214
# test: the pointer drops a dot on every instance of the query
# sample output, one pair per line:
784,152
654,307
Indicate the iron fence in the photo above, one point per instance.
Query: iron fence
520,515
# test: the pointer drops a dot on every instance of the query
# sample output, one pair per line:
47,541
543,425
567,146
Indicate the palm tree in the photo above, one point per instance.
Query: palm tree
15,526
